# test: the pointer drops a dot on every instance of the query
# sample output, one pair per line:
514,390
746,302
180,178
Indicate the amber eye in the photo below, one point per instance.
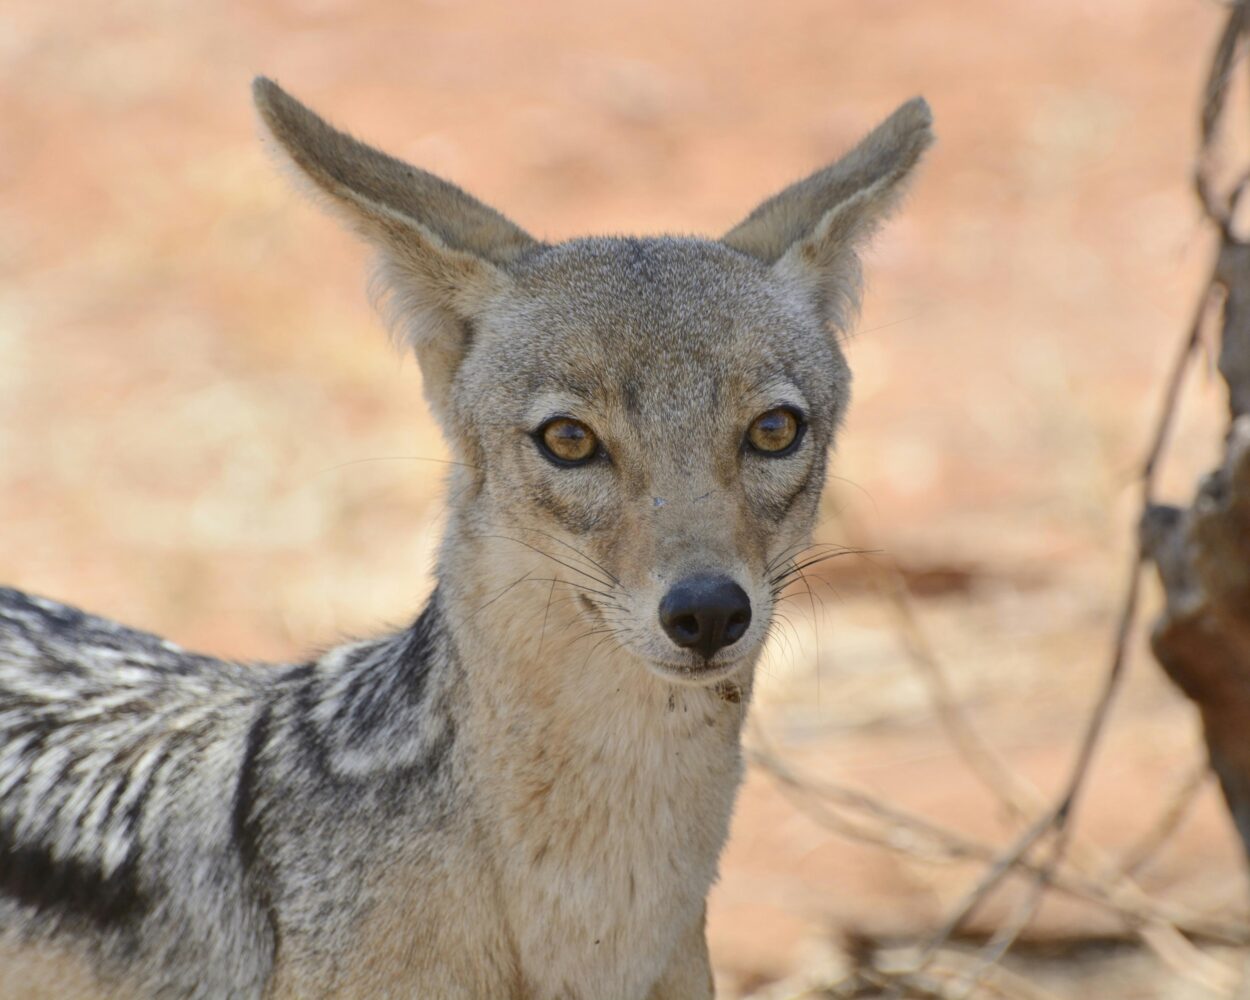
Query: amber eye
567,441
776,432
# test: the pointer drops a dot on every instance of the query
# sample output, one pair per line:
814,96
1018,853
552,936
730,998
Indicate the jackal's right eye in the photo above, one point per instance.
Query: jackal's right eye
566,441
777,432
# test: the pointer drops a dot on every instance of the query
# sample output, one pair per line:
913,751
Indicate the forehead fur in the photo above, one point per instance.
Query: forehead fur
656,315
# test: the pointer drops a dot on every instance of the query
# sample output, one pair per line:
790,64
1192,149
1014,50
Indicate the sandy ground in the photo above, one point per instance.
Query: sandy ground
204,433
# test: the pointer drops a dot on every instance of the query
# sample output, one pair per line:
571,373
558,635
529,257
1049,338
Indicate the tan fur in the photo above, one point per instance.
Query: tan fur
44,972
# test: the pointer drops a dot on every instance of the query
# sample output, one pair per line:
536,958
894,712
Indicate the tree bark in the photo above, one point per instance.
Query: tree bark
1202,553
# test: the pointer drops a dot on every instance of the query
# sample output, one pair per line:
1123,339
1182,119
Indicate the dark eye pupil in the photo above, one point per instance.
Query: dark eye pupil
568,433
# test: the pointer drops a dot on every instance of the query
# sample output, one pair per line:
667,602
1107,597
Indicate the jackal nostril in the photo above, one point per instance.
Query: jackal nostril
685,626
737,625
705,612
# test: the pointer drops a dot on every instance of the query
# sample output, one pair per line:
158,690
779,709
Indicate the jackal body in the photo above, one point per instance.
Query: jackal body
524,794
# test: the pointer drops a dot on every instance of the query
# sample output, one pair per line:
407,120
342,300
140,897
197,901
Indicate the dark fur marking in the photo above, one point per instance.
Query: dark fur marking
371,698
134,814
397,787
730,692
577,518
779,511
247,825
629,395
80,630
115,797
245,822
68,889
303,680
70,619
369,702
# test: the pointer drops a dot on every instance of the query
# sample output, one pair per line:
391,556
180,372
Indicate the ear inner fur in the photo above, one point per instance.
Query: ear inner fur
812,231
442,253
879,162
349,170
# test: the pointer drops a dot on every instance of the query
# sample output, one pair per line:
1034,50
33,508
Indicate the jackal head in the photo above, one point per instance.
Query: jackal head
652,414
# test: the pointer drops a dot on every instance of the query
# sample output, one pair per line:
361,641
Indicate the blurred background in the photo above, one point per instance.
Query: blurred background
204,433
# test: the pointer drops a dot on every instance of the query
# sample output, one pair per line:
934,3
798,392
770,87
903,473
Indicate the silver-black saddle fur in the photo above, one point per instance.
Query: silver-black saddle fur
139,784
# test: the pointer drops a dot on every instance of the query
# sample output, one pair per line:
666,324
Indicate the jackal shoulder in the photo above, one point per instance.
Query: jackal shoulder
155,803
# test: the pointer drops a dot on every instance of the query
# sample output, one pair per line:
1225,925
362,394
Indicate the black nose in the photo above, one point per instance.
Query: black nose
705,612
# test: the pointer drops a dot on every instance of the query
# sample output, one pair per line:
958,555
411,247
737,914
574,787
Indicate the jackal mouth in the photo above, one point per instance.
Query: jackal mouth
697,674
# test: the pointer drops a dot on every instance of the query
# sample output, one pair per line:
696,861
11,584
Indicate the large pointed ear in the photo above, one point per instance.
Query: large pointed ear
444,255
811,233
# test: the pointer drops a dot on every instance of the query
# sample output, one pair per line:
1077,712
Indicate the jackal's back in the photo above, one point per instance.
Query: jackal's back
120,765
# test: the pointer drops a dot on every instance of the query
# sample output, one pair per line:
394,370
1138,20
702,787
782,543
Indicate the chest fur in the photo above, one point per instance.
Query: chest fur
609,832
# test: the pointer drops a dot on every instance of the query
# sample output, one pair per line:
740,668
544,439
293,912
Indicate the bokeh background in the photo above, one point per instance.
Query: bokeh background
203,430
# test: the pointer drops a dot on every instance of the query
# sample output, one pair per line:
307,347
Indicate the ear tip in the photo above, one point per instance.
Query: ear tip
919,108
916,117
264,89
270,99
908,132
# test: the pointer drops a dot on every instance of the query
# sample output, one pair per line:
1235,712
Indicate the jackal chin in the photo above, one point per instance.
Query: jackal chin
700,673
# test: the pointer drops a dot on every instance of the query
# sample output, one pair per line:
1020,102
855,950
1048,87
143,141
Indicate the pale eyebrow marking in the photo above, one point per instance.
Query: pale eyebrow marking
551,404
780,392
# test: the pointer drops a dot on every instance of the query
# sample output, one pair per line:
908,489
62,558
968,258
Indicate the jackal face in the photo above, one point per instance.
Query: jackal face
659,411
651,415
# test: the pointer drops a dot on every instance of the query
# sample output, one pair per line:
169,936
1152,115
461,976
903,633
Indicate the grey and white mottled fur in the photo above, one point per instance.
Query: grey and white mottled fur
524,794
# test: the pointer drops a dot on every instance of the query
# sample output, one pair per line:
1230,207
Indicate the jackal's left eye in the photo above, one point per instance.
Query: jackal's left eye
566,441
776,432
